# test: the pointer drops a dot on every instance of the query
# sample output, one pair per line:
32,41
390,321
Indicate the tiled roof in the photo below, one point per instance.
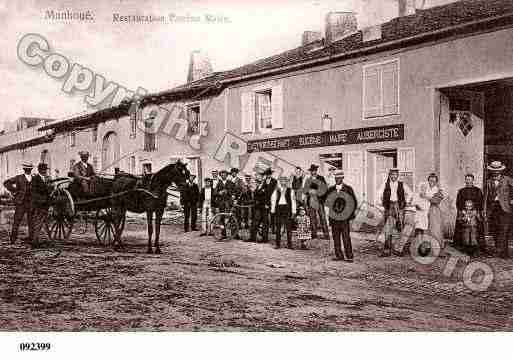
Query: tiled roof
422,22
424,25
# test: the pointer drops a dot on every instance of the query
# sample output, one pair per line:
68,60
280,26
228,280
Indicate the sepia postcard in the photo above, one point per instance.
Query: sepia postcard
292,166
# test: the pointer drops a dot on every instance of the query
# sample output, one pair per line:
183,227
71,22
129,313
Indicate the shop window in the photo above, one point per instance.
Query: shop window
381,89
149,135
262,110
146,168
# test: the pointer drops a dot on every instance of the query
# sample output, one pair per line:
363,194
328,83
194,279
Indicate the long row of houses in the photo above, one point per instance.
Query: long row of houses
428,91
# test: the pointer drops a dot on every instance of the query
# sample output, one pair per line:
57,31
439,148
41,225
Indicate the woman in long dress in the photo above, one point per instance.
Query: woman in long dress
428,217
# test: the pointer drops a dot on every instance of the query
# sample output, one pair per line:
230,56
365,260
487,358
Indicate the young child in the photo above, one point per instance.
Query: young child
470,221
304,232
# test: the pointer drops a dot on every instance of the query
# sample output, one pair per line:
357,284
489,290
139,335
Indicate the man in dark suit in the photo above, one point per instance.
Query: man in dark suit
270,185
342,204
189,198
261,210
224,192
315,191
40,194
19,186
83,173
498,201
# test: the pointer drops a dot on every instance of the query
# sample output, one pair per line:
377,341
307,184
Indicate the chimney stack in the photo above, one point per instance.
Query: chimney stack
199,66
339,25
406,7
310,36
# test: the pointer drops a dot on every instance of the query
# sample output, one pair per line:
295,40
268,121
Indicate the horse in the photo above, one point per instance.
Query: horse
154,201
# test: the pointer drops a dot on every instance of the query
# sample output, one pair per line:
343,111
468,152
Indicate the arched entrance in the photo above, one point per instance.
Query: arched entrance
110,152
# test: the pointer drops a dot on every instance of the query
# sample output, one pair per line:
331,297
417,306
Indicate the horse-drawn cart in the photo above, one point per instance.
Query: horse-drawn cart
106,213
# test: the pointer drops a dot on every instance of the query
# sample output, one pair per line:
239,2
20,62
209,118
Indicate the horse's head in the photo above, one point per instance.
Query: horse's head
176,173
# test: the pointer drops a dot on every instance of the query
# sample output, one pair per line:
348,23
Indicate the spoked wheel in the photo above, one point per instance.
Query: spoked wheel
224,226
60,216
106,223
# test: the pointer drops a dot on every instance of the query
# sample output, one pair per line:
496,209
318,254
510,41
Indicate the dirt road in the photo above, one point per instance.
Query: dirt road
202,284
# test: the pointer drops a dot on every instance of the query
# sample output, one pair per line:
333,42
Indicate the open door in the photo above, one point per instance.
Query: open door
353,166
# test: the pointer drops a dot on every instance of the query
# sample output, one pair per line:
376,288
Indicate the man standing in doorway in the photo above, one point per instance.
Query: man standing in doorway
315,191
498,201
283,205
394,196
342,205
20,187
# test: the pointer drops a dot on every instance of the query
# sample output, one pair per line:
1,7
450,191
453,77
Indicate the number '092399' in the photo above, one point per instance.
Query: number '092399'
35,346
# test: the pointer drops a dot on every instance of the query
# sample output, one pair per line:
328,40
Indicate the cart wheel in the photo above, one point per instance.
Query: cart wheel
61,213
59,226
106,223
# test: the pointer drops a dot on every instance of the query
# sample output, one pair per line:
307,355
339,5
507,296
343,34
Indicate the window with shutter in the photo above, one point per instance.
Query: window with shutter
248,112
372,90
381,89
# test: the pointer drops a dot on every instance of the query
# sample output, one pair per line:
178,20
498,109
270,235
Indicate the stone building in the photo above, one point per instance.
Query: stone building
428,91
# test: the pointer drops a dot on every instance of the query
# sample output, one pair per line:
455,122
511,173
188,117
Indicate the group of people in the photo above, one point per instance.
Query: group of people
475,210
264,204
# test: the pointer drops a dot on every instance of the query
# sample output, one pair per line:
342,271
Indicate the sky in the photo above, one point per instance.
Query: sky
154,56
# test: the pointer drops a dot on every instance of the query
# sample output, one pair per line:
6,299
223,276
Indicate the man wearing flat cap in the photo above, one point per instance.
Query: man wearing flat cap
40,202
83,172
20,187
395,195
341,202
315,195
498,202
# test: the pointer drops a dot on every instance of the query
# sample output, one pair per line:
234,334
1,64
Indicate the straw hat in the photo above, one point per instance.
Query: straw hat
496,166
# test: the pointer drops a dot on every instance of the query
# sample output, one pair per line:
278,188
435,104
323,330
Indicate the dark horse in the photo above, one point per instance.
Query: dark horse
150,197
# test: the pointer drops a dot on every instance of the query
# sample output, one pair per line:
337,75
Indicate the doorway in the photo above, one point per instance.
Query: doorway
110,152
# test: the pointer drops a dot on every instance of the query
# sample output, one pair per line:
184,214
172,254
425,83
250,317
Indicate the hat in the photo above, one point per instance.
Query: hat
42,167
339,174
234,170
393,169
313,167
83,153
27,165
496,166
223,171
267,171
208,179
215,171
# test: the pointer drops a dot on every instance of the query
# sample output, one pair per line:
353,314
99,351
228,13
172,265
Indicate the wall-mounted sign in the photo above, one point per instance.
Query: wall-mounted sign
334,138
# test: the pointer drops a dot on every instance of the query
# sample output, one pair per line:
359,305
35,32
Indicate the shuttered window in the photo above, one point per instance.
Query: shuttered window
262,110
381,89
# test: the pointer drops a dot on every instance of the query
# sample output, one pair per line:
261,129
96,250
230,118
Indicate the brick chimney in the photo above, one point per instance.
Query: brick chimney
406,7
310,36
339,25
199,66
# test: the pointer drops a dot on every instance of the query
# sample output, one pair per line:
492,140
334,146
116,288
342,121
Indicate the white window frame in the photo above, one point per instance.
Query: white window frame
364,92
258,129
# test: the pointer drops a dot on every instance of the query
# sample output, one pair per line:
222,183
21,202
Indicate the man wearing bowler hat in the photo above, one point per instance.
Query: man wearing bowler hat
40,194
342,204
394,196
19,186
83,172
315,192
498,201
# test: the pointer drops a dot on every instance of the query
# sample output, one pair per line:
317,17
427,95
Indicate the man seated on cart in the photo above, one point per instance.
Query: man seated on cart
83,174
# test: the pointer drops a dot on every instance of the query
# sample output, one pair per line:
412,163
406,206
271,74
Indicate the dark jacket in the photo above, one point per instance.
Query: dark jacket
40,192
338,204
504,192
224,192
213,199
469,193
269,189
260,197
190,194
310,184
19,187
401,198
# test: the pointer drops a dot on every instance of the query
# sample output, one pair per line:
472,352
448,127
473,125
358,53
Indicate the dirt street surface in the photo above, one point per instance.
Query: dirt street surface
199,283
